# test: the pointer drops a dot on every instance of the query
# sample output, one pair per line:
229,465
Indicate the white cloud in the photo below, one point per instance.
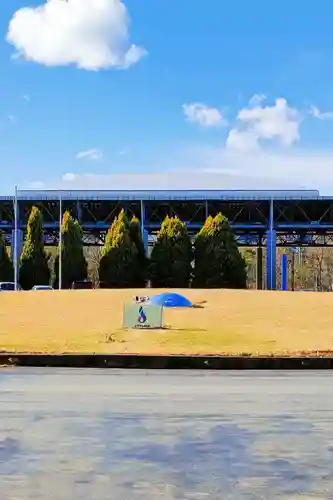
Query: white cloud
321,115
277,168
279,121
90,34
69,177
202,167
94,154
213,169
77,178
204,115
242,140
26,97
257,99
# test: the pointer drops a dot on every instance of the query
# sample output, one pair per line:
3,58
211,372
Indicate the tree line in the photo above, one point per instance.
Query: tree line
213,261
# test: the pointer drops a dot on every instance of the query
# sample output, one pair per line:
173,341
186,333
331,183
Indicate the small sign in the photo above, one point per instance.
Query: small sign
142,316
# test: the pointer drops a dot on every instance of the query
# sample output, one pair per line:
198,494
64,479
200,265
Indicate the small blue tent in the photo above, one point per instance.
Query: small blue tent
170,299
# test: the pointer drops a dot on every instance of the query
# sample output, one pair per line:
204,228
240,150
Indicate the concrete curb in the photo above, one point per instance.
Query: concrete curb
172,362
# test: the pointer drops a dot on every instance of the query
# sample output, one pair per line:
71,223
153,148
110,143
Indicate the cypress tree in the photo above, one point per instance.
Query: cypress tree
118,266
74,264
6,265
34,261
202,256
170,261
218,261
136,237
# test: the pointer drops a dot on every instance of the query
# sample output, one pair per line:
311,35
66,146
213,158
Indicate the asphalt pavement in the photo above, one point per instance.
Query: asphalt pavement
145,435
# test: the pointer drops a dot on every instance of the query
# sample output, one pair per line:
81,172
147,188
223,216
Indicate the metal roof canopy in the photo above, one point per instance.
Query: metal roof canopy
163,195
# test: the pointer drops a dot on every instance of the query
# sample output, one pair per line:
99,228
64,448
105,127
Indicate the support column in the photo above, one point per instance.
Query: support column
271,251
79,211
19,244
145,240
284,272
206,209
144,232
259,268
19,238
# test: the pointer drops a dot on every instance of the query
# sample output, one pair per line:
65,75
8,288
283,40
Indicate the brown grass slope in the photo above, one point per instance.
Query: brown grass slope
230,322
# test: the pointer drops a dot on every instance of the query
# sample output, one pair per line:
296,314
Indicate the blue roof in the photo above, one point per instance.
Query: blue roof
167,195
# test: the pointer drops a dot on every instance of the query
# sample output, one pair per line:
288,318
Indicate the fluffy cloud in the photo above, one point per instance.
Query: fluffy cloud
94,154
245,140
254,123
258,122
204,115
90,34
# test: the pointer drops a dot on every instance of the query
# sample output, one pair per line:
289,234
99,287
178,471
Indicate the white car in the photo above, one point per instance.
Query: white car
42,287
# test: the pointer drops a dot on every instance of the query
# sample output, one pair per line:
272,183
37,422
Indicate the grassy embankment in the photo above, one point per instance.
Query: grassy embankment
229,322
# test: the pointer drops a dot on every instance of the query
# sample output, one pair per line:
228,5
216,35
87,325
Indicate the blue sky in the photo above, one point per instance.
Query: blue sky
110,94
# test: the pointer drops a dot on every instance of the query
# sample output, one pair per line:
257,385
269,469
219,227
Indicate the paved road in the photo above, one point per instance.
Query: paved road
132,435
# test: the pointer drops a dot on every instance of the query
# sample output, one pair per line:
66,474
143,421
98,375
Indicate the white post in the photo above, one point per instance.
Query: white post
15,242
60,243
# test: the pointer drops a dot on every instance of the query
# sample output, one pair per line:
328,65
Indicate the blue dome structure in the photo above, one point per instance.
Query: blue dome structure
170,299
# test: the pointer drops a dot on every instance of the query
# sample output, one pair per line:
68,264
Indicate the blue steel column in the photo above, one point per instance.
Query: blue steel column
79,211
284,272
144,232
259,267
271,250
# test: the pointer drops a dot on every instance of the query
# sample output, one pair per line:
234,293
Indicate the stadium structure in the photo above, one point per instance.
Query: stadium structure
262,219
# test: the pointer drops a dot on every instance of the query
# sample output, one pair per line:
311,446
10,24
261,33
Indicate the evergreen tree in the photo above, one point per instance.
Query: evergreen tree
73,262
136,237
202,256
34,261
6,265
170,261
218,261
118,266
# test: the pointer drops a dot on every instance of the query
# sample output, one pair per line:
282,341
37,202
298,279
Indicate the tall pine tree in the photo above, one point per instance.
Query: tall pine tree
6,265
218,261
73,262
34,261
118,266
171,257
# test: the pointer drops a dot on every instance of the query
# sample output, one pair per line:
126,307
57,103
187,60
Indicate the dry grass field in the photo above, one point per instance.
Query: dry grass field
230,322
